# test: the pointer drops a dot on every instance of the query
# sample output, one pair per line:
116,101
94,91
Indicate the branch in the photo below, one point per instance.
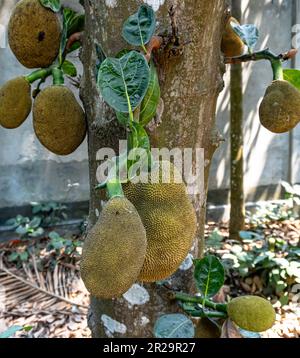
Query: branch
261,55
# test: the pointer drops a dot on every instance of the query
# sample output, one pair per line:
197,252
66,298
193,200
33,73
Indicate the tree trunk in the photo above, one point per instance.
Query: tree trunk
237,211
191,79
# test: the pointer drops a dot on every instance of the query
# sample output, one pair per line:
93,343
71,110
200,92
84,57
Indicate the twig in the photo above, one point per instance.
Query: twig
261,55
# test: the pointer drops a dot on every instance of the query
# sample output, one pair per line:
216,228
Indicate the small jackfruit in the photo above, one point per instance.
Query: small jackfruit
15,102
232,45
252,313
279,111
34,34
169,219
58,120
206,328
114,250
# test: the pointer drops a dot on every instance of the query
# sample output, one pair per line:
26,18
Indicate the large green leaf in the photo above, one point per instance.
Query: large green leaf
152,97
174,326
248,33
138,137
293,77
124,81
140,27
10,331
54,5
209,275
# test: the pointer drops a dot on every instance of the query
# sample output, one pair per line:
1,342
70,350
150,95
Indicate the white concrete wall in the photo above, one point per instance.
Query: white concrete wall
266,155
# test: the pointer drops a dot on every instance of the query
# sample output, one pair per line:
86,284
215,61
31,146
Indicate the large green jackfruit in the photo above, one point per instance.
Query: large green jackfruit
170,221
232,45
114,250
58,120
279,111
252,313
15,102
34,34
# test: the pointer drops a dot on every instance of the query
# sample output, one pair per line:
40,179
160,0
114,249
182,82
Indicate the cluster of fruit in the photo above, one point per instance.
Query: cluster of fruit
279,111
34,36
143,233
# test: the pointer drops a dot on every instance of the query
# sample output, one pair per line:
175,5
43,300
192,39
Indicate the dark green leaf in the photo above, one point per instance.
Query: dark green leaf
75,22
152,97
21,230
54,5
140,27
10,331
54,235
174,326
35,222
248,33
293,77
69,68
24,256
13,256
209,275
123,82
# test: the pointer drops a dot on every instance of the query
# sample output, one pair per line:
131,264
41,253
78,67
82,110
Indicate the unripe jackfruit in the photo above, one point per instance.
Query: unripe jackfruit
252,313
279,111
232,45
114,250
34,34
15,102
170,222
58,120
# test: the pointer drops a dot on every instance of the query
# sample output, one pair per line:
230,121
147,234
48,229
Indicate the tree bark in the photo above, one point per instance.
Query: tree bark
191,79
237,207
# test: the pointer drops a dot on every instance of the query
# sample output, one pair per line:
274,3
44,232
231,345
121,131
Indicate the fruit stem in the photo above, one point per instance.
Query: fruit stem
277,70
114,189
58,76
39,74
214,314
221,307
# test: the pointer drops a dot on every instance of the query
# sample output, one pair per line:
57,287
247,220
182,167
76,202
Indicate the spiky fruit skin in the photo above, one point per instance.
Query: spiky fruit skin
15,102
231,45
279,111
58,120
114,250
252,313
205,328
170,221
34,34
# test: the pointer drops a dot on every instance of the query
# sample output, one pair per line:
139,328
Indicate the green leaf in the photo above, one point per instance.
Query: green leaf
248,236
54,235
138,137
248,33
123,118
75,22
10,331
69,68
24,256
174,326
54,5
13,256
140,27
124,82
293,77
209,275
152,97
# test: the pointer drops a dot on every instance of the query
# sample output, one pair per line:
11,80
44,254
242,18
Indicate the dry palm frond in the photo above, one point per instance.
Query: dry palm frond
41,291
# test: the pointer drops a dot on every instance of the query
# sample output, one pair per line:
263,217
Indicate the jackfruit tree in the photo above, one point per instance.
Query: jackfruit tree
190,71
152,75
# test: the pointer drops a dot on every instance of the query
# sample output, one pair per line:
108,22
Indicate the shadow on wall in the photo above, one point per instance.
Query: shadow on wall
266,154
